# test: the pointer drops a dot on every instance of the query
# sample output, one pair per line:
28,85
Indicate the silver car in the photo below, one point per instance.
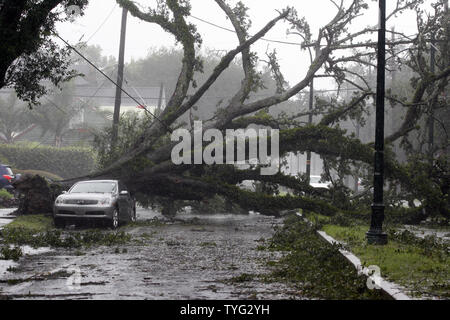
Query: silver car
99,200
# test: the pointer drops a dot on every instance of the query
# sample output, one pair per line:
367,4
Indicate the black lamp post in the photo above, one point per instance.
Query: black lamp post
375,235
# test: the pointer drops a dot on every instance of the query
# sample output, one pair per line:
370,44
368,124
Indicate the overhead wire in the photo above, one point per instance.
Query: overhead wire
233,31
112,81
143,103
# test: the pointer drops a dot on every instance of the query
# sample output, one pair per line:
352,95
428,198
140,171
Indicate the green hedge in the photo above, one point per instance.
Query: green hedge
5,195
65,162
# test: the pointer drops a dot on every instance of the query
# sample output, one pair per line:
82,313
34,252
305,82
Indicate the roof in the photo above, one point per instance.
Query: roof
105,96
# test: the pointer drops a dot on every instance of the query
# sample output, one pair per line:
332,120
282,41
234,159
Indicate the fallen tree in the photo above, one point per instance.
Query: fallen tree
146,164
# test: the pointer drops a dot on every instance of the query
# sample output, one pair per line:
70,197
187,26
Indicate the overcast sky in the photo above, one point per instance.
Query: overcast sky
101,25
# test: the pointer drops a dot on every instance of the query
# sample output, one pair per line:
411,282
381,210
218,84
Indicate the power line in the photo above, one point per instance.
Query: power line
95,93
112,81
233,31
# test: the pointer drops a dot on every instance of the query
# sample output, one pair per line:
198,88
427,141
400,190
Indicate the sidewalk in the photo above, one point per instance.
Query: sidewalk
5,217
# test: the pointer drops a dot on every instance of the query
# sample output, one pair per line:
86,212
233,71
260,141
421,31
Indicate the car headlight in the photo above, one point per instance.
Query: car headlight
105,201
59,201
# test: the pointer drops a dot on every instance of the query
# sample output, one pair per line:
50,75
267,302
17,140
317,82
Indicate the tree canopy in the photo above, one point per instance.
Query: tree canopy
28,53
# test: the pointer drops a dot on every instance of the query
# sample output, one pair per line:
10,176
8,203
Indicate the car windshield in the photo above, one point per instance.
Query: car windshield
94,187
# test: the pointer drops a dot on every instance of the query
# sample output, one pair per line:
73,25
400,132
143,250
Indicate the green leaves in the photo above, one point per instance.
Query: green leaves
29,55
314,266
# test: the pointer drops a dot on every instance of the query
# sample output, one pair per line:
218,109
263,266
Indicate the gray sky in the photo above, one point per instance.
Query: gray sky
142,36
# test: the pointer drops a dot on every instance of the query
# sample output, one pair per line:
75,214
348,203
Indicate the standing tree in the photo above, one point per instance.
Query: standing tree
28,53
55,114
15,119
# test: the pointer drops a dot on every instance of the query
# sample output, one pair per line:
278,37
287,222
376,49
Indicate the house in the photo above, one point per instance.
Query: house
152,98
95,108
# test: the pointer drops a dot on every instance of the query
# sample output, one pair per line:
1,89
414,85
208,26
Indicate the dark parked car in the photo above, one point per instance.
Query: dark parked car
97,200
6,177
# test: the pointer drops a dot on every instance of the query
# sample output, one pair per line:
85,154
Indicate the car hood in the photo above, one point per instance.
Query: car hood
85,196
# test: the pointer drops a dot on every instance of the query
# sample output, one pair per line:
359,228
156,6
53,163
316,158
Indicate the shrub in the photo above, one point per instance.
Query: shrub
41,173
5,195
64,162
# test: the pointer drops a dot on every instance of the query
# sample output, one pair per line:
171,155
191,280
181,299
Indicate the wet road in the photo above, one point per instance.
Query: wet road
192,258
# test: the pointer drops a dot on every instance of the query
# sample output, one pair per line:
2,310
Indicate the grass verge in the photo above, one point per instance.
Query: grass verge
421,265
38,231
34,223
315,267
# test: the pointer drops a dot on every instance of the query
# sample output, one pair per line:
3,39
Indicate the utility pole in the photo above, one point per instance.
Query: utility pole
310,119
118,99
375,235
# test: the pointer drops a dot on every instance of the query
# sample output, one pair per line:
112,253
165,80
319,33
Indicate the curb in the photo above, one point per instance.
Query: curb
392,289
